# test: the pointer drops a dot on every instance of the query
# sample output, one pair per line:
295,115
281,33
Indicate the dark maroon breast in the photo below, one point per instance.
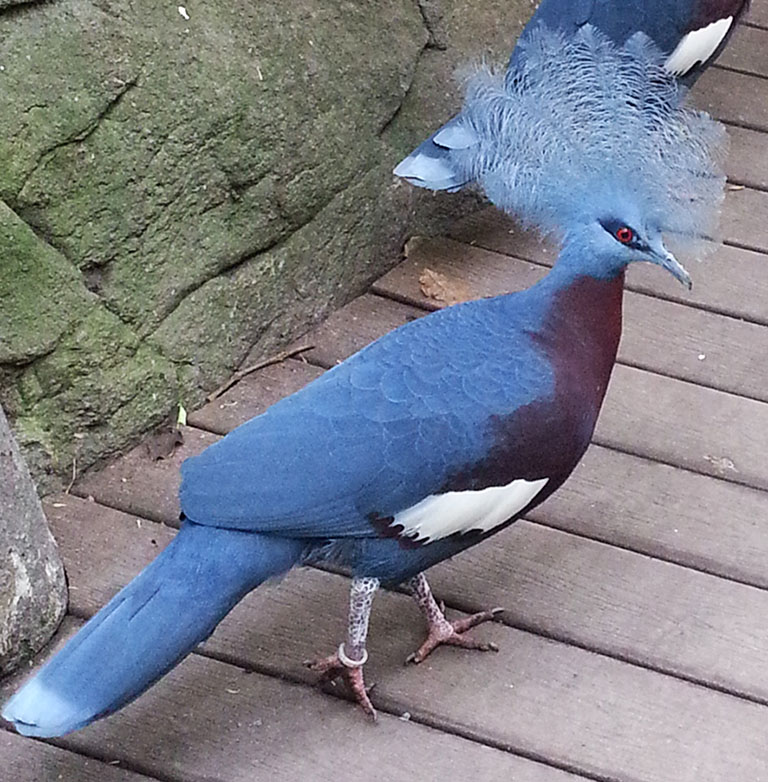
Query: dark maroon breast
708,11
582,336
547,438
580,339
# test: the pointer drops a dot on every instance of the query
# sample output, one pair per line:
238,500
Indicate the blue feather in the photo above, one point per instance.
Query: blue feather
148,627
334,452
582,120
438,162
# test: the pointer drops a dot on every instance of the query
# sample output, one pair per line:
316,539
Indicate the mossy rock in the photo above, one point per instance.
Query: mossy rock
177,191
33,593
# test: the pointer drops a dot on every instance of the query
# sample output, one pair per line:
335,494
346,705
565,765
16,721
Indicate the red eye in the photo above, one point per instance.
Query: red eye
625,235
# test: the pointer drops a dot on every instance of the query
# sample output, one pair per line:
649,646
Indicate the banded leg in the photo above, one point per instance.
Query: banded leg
348,660
441,630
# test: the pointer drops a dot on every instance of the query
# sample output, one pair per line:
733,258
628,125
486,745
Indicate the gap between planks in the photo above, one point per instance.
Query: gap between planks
28,761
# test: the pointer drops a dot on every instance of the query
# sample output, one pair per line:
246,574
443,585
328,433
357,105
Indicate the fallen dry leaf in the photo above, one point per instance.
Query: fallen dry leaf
443,289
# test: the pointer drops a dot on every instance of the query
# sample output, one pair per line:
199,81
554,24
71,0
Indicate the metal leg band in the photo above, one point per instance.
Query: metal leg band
347,662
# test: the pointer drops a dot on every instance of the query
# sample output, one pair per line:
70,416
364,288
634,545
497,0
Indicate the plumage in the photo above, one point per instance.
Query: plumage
170,607
689,34
459,512
429,440
698,46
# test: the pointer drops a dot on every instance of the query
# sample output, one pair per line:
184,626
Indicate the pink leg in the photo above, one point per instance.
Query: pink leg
441,631
347,662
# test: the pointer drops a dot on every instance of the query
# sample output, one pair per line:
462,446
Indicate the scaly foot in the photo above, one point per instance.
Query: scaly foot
443,632
332,668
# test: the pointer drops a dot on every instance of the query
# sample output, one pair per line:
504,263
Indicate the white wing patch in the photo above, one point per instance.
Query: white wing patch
698,46
441,515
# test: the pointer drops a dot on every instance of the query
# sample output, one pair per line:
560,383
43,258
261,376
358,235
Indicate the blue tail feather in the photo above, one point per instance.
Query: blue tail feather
430,165
148,627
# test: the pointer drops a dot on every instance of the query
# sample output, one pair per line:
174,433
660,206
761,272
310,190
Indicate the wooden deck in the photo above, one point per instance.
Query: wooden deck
635,644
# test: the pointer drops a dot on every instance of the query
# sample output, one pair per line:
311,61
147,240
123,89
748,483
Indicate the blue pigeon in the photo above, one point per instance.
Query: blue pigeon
690,34
444,431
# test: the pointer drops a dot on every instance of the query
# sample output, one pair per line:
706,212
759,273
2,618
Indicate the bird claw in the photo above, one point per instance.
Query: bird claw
445,633
331,668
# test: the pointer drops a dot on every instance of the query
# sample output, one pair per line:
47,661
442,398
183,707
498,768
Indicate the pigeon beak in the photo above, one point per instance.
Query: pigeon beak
662,257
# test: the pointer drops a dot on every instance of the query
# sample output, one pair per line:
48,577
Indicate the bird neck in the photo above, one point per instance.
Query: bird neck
588,311
580,257
581,327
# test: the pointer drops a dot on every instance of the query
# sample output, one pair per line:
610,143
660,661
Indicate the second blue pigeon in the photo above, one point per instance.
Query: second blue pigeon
690,34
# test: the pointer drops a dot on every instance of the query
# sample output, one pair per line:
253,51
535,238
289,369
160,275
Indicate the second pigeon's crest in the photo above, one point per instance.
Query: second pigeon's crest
580,120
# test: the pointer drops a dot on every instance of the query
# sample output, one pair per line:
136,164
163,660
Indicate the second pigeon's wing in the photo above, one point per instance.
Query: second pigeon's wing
691,33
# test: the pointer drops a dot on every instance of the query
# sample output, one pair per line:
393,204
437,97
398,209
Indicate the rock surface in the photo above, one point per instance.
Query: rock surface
33,594
180,184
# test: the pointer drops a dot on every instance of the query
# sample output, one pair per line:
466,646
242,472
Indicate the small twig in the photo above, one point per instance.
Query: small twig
241,373
74,475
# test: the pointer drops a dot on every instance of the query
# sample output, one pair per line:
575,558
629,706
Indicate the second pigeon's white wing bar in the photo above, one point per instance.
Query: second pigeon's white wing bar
698,46
441,515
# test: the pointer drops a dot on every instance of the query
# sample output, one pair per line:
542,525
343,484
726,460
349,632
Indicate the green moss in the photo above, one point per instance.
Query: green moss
243,123
41,294
99,342
200,186
100,412
271,297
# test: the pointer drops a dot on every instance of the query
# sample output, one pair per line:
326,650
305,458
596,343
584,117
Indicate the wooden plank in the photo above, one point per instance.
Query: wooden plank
747,162
720,281
137,484
734,97
745,218
27,761
351,328
208,721
665,512
665,337
617,602
581,710
758,13
246,400
678,423
102,548
748,49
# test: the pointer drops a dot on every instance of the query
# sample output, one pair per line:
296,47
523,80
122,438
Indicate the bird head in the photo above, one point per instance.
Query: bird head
618,235
586,139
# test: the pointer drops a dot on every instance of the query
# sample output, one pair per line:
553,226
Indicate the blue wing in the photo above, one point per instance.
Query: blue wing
373,435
